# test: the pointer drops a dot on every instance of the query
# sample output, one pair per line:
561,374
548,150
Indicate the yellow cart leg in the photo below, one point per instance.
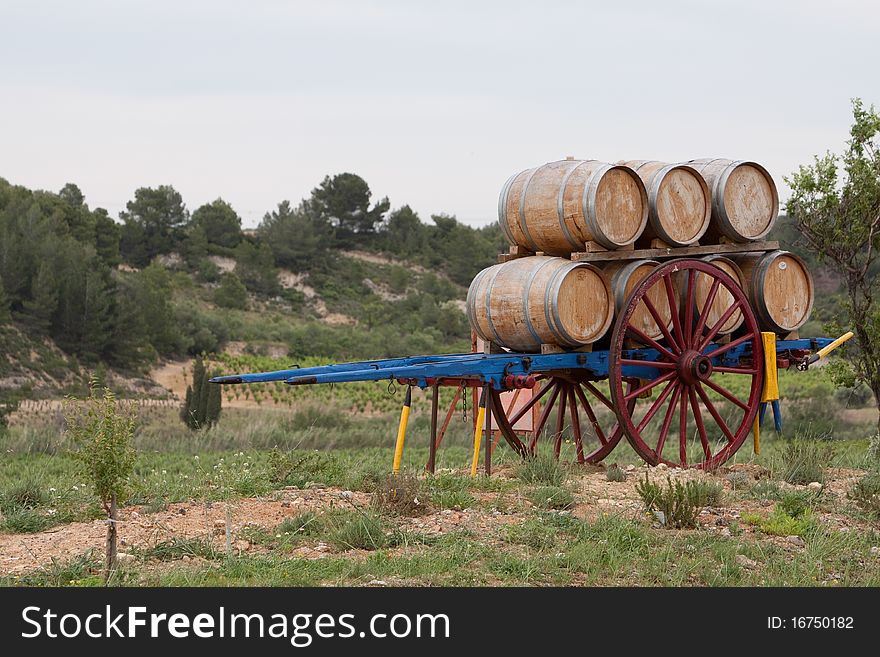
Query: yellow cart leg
478,433
401,430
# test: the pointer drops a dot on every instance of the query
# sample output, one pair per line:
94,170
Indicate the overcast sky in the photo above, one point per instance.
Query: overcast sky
434,104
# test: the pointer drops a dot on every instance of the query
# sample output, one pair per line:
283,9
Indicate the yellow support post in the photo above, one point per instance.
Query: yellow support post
756,431
401,430
478,433
770,391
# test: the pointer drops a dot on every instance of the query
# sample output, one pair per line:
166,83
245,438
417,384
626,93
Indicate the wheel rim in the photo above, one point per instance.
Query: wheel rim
568,402
691,402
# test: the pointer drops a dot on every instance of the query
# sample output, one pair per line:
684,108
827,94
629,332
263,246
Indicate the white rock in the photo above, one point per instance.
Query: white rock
725,531
125,557
875,551
796,540
814,486
630,467
745,562
346,495
377,582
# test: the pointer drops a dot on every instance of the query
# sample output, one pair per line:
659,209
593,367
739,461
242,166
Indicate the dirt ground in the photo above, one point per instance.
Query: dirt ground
23,553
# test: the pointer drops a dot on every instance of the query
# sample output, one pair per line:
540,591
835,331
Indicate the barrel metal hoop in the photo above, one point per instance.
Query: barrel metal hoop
522,211
488,306
588,206
560,208
525,297
502,209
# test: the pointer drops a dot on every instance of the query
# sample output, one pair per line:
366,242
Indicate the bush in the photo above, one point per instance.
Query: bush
177,548
677,505
401,494
866,494
796,503
306,523
26,493
873,454
779,523
360,531
551,497
706,493
299,469
232,293
805,458
541,469
615,473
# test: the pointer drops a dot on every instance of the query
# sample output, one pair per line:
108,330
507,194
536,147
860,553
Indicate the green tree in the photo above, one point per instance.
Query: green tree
344,200
107,235
255,266
153,224
40,308
5,315
298,237
80,221
202,405
221,224
231,293
836,204
103,432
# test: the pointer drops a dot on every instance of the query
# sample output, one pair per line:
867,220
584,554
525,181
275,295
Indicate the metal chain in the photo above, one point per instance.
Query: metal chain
392,389
464,396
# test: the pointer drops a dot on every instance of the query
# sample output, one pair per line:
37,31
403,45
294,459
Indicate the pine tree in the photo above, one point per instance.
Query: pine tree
201,409
40,308
5,316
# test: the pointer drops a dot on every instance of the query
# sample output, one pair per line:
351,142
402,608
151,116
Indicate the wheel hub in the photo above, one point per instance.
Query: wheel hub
694,367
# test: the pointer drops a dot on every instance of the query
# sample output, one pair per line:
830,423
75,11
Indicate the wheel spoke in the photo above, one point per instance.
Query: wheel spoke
656,382
704,313
698,419
689,302
545,413
658,364
651,342
727,347
575,423
655,406
682,430
673,310
667,420
560,419
719,324
734,370
715,414
528,405
661,324
505,427
590,414
724,392
598,394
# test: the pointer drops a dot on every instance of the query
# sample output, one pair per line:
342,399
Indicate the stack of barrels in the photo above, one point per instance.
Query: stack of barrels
550,212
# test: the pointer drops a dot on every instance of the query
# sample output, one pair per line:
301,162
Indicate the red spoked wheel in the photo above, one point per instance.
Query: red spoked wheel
582,410
693,417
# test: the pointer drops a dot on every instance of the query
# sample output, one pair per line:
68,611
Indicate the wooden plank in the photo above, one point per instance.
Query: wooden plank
682,252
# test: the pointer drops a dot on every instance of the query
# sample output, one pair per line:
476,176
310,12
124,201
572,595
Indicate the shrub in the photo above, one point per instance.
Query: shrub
615,473
677,505
779,523
20,520
177,548
706,493
866,493
401,494
551,497
873,455
541,469
27,493
232,293
795,503
360,531
307,523
805,458
299,469
532,533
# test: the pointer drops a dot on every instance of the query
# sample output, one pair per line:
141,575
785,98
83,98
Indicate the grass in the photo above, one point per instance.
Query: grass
677,504
780,523
866,494
551,497
541,469
805,458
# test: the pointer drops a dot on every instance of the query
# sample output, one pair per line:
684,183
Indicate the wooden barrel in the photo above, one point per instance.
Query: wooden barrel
524,303
624,277
745,202
779,287
557,207
723,298
679,202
